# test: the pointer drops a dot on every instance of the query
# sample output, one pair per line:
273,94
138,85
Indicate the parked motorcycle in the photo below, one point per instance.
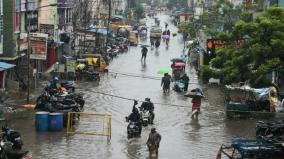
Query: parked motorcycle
90,75
7,152
269,129
9,135
11,145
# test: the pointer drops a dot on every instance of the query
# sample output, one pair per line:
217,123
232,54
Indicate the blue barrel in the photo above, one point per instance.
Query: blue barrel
55,121
41,121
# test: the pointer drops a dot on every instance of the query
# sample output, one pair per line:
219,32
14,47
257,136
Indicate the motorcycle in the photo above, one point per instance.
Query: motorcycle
12,136
179,86
11,145
7,152
92,76
69,86
269,129
133,130
146,117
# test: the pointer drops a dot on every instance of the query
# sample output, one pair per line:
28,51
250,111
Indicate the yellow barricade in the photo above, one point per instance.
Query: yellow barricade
90,123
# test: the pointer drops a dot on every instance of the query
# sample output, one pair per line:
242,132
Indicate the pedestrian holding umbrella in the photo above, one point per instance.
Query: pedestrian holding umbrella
196,95
180,64
163,70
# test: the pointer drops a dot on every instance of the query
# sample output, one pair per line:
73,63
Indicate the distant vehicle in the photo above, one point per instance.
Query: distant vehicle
133,38
156,32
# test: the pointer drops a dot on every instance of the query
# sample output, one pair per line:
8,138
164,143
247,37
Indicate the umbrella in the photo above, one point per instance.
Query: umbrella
180,64
194,94
177,60
163,70
166,37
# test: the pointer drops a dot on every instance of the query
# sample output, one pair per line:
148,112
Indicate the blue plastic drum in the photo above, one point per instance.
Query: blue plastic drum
41,121
55,121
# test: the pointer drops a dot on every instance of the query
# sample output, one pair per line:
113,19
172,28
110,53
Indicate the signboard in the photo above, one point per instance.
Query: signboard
60,68
70,65
46,28
181,18
23,42
38,42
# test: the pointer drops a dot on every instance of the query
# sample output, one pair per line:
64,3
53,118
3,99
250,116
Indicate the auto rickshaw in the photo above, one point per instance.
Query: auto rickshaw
96,60
133,38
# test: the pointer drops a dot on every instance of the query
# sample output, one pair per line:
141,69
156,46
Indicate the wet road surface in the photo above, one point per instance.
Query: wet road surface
182,137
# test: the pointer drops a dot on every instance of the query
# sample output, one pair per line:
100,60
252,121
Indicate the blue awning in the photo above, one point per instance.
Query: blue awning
117,17
5,66
102,31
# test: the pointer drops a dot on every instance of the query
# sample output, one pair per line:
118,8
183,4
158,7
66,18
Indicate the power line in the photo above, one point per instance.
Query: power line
139,76
132,99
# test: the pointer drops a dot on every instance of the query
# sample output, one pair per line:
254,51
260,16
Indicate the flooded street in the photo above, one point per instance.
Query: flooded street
182,137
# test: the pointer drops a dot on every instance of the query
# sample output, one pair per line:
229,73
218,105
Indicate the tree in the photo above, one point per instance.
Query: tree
176,3
139,11
261,51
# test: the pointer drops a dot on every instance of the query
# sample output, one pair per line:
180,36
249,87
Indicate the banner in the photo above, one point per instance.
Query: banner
70,65
38,42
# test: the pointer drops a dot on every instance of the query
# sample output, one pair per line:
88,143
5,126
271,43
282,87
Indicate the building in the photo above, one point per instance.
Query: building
64,10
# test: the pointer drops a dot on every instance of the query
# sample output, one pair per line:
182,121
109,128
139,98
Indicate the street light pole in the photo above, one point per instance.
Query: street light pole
108,23
29,48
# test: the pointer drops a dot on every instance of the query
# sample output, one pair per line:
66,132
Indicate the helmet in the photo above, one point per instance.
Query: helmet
55,78
147,99
153,130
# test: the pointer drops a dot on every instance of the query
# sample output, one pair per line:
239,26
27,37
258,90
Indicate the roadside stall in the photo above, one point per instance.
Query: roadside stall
244,101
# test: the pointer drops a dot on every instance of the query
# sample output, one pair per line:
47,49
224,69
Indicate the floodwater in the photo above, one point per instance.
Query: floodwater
182,137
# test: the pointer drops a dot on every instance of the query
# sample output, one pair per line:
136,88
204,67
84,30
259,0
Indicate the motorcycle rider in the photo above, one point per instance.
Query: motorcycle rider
157,43
149,106
135,117
54,83
154,140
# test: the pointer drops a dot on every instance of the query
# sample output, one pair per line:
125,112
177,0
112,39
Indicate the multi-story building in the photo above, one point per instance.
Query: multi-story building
1,27
64,10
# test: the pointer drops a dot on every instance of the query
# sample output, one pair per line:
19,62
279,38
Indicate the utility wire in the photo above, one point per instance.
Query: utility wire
132,99
140,76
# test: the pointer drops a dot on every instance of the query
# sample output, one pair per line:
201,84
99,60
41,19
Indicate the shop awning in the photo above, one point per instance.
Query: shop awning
5,66
102,31
117,17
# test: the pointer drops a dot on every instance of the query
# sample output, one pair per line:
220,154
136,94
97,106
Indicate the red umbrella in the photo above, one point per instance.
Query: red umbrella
180,64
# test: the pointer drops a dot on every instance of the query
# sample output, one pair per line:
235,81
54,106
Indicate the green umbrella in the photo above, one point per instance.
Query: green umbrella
163,70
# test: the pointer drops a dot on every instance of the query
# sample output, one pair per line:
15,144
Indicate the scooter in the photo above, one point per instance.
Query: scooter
146,117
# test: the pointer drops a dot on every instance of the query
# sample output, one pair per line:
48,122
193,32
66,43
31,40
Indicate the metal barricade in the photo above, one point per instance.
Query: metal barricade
96,124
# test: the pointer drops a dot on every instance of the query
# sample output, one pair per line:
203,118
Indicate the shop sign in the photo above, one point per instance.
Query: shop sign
23,42
38,42
70,65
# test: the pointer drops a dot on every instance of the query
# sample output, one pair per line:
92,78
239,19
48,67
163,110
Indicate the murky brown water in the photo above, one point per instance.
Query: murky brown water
182,137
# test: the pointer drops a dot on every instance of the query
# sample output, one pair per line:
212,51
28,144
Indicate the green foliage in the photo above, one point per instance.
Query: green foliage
206,73
176,3
139,11
246,17
262,50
